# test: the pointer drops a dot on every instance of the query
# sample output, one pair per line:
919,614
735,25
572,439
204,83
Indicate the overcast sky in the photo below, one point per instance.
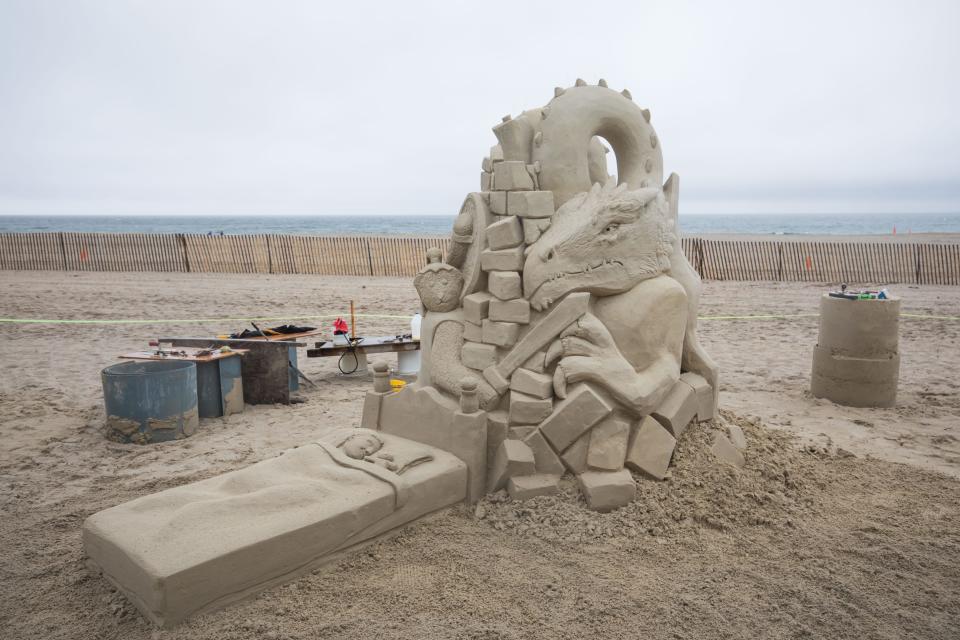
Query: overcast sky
236,106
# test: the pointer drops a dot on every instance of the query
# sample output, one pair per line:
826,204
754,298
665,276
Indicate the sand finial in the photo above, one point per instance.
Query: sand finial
434,254
469,403
381,377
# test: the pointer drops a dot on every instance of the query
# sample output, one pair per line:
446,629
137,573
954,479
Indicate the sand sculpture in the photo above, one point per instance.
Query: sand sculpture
559,336
856,361
203,545
576,320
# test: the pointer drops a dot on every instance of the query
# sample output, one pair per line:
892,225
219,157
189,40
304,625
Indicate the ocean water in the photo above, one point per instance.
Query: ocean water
429,225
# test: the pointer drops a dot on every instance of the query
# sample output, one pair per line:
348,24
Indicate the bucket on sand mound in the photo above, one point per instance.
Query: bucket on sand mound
150,401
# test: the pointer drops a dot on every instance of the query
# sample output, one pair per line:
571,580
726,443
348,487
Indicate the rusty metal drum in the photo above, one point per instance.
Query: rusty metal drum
150,401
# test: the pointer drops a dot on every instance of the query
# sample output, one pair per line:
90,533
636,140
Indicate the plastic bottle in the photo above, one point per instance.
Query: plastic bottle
415,326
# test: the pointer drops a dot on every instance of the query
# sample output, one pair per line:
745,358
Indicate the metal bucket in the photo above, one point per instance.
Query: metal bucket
150,400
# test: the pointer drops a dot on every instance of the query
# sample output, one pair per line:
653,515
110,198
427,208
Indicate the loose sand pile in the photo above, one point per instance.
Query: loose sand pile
779,485
806,541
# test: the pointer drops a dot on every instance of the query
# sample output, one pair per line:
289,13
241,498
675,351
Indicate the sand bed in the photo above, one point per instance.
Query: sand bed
808,541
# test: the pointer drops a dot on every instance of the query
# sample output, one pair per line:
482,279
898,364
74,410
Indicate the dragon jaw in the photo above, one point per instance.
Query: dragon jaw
604,241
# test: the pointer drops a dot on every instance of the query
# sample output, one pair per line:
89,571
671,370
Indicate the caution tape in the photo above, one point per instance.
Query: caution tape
94,321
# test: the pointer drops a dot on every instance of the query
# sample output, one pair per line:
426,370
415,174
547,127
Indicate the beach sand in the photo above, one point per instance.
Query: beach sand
845,523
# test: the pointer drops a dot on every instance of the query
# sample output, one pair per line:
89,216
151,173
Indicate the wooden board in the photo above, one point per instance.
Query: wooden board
191,355
378,344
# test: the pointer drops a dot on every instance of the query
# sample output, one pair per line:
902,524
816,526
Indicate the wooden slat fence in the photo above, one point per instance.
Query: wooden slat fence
772,260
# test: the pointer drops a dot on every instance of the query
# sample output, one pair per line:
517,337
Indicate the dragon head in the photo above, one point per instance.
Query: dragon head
604,241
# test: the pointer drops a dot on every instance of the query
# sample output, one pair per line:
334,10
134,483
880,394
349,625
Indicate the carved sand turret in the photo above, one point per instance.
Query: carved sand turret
575,329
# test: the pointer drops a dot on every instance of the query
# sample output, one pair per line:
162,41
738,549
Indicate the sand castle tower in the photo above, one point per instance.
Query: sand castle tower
560,331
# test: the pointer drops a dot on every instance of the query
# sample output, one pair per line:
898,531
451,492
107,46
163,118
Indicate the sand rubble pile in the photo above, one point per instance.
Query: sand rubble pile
779,483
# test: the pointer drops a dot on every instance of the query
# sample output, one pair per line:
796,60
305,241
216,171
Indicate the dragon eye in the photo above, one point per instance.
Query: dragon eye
610,228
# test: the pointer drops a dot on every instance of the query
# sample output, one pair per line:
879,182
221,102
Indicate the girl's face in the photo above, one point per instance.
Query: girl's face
361,445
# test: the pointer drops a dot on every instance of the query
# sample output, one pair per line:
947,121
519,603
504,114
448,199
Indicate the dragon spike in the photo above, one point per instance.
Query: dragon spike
536,165
558,91
653,140
581,82
506,118
544,113
626,94
646,114
538,138
602,83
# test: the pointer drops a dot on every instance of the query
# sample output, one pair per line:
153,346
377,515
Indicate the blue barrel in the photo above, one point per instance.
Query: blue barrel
150,400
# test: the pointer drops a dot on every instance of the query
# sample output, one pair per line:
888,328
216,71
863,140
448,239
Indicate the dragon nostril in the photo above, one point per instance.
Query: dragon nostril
550,254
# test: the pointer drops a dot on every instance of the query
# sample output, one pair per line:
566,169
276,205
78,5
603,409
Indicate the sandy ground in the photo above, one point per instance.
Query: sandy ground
806,542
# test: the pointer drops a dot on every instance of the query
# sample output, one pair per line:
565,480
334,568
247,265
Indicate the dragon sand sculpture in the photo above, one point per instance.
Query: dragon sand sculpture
566,307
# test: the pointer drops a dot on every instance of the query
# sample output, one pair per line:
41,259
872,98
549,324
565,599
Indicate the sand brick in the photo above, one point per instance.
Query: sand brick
505,285
573,416
505,233
607,490
501,334
513,458
651,449
502,260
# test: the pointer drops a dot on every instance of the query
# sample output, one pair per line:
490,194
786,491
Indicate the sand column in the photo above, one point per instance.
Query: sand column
856,361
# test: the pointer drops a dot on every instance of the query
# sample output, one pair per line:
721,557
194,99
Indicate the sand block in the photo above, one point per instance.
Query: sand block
573,416
201,546
536,362
512,175
533,228
539,484
607,490
530,204
472,332
496,153
545,457
608,444
526,409
486,180
496,379
575,457
521,432
726,452
706,406
677,409
505,285
478,356
513,458
736,436
651,449
505,233
501,334
502,259
538,385
476,306
517,310
498,202
498,428
370,416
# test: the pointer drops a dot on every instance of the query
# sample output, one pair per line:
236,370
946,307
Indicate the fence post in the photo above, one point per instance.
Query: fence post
916,253
63,250
183,245
269,255
369,257
779,261
700,257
